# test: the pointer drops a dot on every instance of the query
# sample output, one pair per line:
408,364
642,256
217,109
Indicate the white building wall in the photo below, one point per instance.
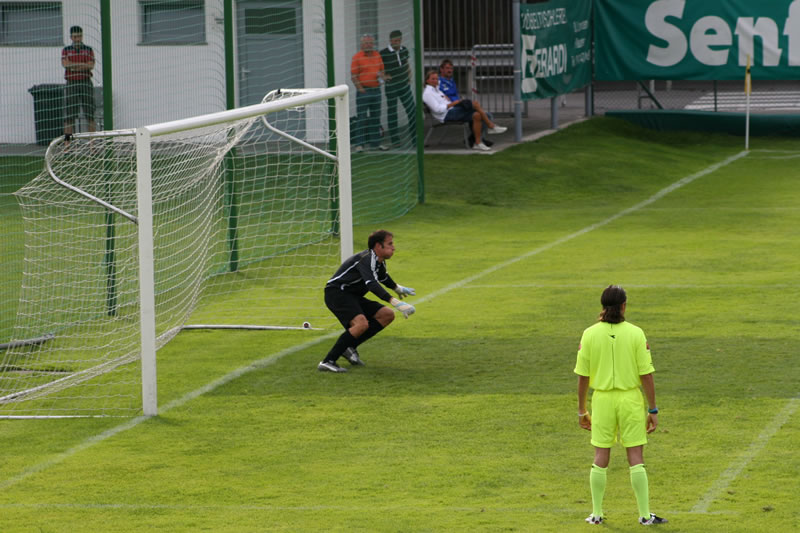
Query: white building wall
152,83
24,67
155,83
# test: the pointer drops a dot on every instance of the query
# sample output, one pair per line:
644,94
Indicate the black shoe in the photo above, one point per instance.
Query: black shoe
652,520
488,143
330,366
351,354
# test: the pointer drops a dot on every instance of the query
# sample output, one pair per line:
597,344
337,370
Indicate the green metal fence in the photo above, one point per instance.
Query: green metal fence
160,60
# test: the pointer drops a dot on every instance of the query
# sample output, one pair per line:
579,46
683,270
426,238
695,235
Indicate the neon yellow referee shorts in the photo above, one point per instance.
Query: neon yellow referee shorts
618,412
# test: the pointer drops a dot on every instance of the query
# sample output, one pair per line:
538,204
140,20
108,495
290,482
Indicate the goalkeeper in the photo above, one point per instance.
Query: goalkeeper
363,318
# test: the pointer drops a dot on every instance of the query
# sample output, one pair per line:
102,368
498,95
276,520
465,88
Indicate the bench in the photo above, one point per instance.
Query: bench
431,124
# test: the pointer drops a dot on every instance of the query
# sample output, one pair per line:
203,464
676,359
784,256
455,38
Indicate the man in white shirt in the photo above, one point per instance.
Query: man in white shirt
445,110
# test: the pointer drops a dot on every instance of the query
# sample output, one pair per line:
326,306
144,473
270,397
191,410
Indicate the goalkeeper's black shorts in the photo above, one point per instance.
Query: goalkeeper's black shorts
346,306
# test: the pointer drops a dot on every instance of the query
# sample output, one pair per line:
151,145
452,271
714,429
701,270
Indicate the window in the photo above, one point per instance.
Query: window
271,20
30,24
172,22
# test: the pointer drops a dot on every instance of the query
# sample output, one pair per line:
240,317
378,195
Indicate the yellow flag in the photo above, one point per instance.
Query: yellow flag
747,85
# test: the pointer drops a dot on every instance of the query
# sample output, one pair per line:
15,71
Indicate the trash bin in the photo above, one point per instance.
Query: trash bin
48,111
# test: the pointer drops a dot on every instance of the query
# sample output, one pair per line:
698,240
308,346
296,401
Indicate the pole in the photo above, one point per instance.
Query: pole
147,299
330,51
228,165
747,90
515,14
419,85
110,256
230,78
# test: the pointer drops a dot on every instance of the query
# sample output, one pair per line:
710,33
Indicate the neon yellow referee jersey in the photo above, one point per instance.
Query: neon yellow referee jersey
613,356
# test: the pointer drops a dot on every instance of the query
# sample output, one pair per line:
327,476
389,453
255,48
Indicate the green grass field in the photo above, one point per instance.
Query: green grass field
464,417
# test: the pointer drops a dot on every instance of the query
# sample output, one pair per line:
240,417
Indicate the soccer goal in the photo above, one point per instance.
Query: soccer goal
232,220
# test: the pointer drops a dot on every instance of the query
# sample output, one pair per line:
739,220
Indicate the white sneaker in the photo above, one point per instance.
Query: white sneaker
497,129
481,147
359,148
594,520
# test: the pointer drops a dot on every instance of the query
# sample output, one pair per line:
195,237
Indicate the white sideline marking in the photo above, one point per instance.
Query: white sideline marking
657,196
728,476
267,361
635,286
350,508
261,363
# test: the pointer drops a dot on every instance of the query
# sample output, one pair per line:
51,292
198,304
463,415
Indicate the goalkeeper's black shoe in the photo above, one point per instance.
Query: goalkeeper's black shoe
330,366
652,520
351,354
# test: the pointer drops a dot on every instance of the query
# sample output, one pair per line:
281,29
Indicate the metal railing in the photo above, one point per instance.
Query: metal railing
484,73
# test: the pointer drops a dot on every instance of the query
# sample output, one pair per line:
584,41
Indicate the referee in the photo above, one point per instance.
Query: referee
363,318
614,360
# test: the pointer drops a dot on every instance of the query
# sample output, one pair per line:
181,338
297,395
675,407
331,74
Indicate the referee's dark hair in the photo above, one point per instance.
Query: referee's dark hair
378,237
612,299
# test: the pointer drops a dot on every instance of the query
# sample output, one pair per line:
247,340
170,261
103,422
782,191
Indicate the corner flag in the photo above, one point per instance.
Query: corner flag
747,88
747,84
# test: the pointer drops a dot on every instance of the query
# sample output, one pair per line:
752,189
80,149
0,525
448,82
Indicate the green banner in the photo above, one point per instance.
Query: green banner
556,47
708,40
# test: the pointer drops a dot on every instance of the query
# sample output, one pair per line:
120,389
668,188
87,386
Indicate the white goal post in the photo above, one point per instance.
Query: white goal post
234,219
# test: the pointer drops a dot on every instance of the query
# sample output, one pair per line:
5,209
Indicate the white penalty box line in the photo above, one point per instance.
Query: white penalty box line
271,359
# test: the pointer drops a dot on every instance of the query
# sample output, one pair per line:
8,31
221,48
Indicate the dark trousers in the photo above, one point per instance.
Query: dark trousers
368,123
401,93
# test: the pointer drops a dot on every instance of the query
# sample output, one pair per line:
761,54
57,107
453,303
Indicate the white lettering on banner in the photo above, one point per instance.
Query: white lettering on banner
708,32
550,61
710,38
792,30
529,83
580,58
544,19
768,30
581,25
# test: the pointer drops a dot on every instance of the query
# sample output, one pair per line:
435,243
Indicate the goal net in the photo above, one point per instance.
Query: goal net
233,219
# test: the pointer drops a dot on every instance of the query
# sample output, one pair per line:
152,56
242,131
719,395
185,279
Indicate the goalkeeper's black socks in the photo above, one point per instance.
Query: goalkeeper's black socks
344,342
373,329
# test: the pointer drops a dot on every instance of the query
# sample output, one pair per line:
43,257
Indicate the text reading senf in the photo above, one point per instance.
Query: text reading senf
711,38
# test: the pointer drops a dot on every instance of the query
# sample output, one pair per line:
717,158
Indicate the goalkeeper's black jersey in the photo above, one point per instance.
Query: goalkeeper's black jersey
363,273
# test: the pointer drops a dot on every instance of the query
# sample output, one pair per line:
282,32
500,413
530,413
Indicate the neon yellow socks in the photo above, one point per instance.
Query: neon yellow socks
597,481
641,489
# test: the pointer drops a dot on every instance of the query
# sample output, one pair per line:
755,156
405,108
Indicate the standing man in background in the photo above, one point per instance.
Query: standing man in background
78,62
366,72
614,360
397,88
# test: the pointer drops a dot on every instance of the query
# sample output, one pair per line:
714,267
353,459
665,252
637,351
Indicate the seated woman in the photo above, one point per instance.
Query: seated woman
445,110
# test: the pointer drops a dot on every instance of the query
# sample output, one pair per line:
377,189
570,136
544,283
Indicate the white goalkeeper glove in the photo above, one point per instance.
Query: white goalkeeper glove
406,309
404,291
